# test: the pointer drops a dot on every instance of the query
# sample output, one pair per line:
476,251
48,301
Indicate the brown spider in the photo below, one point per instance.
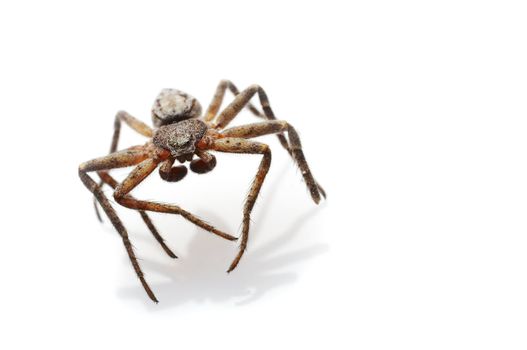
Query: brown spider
180,133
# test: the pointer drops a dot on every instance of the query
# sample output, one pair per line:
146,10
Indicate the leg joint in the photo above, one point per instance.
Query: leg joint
254,87
118,195
118,118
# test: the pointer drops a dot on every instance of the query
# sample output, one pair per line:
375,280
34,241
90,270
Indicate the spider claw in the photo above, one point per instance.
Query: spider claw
315,195
148,291
232,267
236,261
169,252
224,235
321,190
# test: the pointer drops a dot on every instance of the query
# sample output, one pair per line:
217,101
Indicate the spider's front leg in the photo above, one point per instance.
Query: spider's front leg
145,168
145,130
112,161
239,145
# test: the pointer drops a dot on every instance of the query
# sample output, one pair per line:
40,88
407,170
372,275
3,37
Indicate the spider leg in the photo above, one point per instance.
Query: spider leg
217,100
133,123
242,99
109,180
115,160
121,195
239,145
295,148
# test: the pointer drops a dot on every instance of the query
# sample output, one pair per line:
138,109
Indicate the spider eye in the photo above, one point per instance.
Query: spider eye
184,143
181,141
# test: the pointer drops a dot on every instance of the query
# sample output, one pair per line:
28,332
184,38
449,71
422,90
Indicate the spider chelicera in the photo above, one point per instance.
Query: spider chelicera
180,133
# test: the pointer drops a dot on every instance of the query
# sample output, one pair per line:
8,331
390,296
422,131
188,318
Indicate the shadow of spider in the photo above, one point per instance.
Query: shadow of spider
200,277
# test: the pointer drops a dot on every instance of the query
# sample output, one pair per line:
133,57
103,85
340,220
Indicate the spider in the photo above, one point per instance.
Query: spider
181,133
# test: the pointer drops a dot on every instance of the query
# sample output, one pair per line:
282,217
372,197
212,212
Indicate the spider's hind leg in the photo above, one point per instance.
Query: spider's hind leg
242,100
136,125
217,100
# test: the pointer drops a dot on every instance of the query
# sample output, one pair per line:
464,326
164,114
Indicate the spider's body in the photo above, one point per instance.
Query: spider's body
182,134
180,138
172,106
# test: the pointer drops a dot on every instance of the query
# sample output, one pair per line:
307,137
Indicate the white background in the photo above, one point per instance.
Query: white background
412,114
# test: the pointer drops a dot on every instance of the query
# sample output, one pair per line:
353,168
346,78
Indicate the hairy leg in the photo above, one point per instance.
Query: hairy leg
109,180
115,160
295,148
217,100
238,145
137,175
132,122
136,125
243,99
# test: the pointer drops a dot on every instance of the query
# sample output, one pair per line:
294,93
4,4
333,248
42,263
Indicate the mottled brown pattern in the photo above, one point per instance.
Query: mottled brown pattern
217,100
109,180
172,106
181,136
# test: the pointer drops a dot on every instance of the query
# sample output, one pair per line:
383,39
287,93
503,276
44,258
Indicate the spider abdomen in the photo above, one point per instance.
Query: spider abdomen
172,106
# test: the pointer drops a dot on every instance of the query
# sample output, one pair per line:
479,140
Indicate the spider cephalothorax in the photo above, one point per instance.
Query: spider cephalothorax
180,134
180,138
